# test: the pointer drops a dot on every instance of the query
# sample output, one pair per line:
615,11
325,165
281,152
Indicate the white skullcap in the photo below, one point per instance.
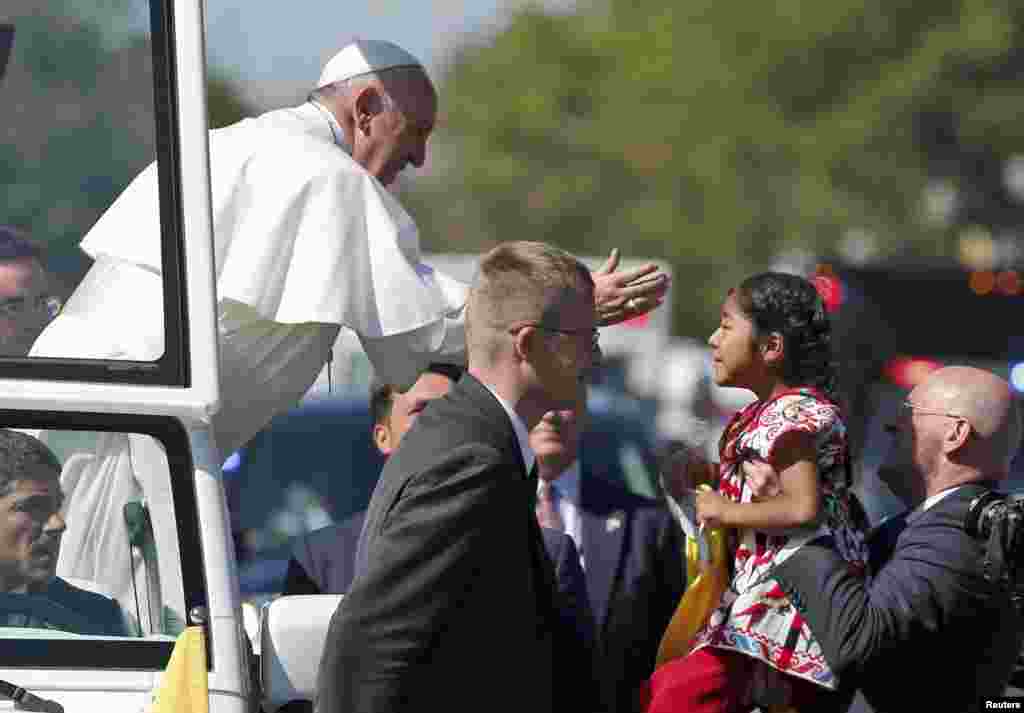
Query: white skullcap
363,57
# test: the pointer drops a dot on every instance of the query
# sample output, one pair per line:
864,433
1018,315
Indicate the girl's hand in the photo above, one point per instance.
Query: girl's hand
712,508
762,478
684,470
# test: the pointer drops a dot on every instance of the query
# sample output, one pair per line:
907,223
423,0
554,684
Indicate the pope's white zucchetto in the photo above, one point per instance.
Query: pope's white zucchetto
363,57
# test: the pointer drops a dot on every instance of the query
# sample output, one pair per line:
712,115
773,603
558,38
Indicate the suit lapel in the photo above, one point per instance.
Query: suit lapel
604,536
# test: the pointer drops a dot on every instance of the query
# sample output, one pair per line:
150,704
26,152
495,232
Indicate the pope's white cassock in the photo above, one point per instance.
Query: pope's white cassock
306,240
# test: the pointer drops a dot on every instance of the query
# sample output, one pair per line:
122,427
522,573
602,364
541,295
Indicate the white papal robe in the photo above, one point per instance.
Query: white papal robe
305,241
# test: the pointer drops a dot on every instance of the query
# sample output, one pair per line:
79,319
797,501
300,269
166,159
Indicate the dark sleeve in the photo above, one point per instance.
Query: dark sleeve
925,579
297,580
114,622
669,579
671,564
421,567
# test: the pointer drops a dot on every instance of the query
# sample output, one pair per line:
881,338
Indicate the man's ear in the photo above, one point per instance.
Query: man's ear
773,348
957,436
366,105
525,342
382,439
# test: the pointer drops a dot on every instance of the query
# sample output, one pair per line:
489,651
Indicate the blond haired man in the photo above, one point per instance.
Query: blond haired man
454,599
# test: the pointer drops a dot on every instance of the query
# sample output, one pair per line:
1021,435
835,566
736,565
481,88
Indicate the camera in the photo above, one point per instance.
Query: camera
998,518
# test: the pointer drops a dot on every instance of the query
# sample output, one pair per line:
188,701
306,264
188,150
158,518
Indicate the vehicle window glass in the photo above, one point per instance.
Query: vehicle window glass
310,467
96,529
87,98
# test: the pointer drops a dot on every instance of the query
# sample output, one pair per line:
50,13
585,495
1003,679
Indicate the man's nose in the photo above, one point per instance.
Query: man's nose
713,339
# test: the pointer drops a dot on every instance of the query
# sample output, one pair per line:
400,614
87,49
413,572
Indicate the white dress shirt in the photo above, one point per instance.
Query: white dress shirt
522,432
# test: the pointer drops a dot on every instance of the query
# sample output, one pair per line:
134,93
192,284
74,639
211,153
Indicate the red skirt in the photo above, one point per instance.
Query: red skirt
713,680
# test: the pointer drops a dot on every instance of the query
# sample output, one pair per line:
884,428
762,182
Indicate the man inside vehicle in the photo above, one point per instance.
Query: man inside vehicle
31,526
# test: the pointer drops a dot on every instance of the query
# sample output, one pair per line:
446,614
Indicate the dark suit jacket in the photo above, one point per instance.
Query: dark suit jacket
453,606
928,633
65,607
324,561
634,568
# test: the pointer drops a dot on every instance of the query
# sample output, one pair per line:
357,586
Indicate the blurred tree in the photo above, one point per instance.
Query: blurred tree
719,133
78,121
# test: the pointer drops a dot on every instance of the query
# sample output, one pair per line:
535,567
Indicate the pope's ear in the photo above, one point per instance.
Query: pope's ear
367,104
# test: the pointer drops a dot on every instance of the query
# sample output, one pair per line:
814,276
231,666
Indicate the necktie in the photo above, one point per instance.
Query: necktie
547,510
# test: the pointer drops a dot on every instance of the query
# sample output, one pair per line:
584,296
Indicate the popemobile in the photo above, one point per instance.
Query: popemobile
118,587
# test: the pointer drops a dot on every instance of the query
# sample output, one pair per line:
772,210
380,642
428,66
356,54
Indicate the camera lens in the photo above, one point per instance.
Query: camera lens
978,521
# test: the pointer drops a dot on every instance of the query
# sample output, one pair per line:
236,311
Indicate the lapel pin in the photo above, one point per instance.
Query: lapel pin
614,522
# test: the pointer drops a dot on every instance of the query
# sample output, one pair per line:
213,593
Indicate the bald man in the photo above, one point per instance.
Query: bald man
927,632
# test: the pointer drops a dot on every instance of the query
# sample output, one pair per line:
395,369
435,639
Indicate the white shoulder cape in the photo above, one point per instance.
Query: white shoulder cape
302,232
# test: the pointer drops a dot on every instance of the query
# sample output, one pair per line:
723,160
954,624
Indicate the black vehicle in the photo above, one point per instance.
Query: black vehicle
317,464
893,323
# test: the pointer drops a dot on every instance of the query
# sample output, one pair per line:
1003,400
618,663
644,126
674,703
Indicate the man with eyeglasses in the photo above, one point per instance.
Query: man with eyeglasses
630,550
927,632
26,305
454,605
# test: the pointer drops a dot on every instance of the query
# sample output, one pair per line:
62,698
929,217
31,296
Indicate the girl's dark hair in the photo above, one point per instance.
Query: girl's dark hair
791,306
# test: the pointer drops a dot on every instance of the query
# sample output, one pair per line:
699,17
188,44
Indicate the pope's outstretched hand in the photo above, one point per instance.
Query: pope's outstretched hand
624,295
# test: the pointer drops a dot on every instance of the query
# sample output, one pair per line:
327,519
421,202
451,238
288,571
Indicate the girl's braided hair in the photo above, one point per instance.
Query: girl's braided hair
791,306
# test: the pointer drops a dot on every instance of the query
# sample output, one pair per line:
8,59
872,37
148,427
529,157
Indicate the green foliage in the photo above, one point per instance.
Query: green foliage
78,119
718,133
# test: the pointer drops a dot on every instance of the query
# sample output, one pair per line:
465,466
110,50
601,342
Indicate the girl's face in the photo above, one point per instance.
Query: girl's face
735,356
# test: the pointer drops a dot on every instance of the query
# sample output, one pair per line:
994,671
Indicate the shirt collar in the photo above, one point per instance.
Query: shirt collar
522,434
931,502
336,131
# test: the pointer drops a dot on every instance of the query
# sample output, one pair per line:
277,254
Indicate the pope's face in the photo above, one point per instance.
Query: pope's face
397,136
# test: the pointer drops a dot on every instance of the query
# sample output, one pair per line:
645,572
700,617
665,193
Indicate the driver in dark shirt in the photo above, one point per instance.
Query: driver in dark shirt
31,526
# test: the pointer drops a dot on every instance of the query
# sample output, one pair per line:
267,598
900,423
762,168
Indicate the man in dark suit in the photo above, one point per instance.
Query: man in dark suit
927,632
323,562
453,606
630,550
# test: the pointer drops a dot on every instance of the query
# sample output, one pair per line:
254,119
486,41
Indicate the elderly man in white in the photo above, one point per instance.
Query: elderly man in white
307,239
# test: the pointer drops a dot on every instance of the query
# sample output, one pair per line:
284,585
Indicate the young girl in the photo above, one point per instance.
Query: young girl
773,339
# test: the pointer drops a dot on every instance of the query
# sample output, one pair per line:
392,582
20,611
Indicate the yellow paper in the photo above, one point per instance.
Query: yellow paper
705,584
183,688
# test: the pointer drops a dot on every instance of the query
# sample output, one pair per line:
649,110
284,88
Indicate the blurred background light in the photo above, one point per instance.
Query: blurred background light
1008,283
830,288
977,249
982,282
1017,376
908,372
